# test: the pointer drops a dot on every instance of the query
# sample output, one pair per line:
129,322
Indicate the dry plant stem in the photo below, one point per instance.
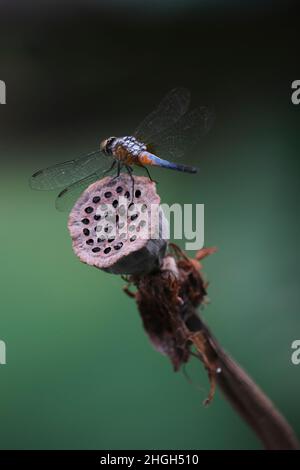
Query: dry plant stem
246,397
167,300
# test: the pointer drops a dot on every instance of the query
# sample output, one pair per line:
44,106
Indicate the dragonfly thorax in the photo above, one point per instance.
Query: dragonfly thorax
131,145
128,143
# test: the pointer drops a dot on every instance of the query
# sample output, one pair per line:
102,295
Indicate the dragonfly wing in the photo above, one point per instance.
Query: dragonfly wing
63,174
181,138
171,108
66,198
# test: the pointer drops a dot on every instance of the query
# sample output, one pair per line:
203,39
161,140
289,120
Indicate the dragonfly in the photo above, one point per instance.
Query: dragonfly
162,138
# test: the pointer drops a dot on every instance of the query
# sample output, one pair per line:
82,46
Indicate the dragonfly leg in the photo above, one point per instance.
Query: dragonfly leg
118,171
110,168
130,170
148,173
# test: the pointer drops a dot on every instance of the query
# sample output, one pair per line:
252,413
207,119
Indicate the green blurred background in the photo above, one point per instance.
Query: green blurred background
80,372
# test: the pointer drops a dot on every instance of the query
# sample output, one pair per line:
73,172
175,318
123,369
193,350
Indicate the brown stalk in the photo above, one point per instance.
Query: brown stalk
167,301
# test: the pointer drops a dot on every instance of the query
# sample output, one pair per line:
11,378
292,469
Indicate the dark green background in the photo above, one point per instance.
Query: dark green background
80,371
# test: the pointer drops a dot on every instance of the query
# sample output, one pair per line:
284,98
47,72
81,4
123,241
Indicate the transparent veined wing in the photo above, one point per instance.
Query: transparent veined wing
66,198
174,105
176,141
66,173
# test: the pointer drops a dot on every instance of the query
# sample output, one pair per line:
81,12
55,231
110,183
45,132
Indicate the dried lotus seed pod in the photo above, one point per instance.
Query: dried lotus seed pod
117,231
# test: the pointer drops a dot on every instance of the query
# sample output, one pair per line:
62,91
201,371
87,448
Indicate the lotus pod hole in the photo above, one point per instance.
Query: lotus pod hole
117,225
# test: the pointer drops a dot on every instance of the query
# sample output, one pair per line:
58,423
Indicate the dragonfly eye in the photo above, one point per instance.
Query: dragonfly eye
107,145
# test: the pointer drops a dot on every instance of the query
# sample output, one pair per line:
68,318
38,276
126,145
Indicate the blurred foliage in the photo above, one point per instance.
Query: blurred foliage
80,371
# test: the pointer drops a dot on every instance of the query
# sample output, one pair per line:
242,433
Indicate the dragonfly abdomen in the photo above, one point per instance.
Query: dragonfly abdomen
147,158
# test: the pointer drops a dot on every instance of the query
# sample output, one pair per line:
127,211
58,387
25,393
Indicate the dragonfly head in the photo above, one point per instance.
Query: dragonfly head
106,145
